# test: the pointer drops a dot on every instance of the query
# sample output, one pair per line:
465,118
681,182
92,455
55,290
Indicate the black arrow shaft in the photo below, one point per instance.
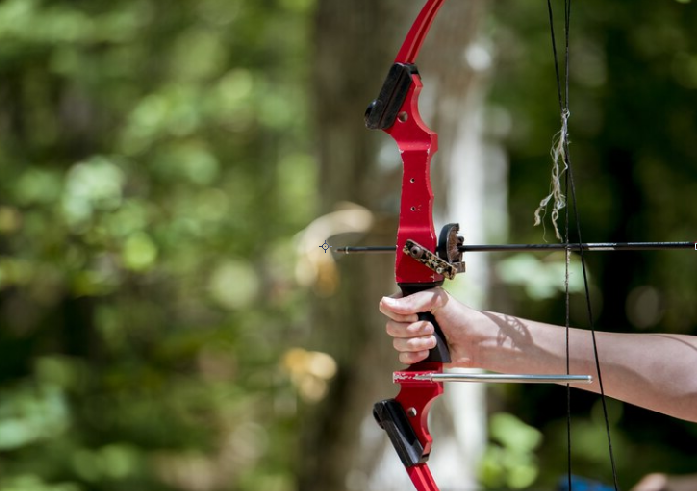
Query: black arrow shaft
588,246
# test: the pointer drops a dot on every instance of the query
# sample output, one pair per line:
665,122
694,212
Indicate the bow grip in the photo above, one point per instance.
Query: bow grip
440,353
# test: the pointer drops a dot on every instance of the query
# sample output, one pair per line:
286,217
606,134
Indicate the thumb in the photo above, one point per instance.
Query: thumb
424,301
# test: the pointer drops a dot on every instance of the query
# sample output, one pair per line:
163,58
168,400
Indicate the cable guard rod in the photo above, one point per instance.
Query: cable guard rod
502,378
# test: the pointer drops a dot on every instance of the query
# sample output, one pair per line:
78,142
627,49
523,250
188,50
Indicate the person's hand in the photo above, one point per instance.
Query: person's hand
663,482
413,338
652,482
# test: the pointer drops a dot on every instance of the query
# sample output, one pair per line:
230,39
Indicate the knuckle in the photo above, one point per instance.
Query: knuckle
413,344
426,327
417,344
420,328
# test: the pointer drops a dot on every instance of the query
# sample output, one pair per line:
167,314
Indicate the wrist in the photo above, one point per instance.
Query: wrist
475,334
498,342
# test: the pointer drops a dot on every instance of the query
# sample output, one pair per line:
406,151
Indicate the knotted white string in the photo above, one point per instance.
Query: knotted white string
560,144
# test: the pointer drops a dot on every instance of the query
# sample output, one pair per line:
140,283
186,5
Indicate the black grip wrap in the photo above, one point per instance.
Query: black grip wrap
440,353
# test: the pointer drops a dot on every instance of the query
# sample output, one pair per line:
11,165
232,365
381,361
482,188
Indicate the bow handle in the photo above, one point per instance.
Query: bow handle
440,353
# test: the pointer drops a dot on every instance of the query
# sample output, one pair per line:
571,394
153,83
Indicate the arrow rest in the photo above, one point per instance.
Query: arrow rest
449,246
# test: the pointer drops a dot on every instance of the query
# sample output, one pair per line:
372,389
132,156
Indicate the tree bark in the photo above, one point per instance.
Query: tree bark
356,44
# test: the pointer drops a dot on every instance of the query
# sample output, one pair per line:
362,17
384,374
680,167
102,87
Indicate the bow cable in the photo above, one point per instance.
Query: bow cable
562,159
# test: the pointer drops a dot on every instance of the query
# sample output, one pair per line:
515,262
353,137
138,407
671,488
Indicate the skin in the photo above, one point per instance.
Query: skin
664,482
654,371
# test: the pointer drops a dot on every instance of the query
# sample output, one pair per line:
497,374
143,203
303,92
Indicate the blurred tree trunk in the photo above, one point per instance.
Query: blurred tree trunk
352,58
356,43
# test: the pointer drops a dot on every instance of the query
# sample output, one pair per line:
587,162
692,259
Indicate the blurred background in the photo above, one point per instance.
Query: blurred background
169,169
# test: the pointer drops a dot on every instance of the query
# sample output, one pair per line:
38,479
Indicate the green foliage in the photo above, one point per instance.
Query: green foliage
509,462
153,155
632,124
154,167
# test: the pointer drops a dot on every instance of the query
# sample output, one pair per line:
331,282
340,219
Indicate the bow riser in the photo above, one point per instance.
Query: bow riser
416,397
396,112
405,420
417,143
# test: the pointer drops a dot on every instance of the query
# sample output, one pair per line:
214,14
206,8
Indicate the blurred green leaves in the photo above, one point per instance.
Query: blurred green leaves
93,185
542,278
39,22
151,156
29,414
509,461
632,104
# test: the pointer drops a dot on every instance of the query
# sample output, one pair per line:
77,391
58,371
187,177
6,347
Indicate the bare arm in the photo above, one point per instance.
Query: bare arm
654,371
666,482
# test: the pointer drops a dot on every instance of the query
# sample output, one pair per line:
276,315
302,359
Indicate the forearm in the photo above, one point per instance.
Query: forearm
652,371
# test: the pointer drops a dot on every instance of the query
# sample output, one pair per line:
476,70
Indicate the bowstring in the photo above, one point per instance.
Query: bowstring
560,151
